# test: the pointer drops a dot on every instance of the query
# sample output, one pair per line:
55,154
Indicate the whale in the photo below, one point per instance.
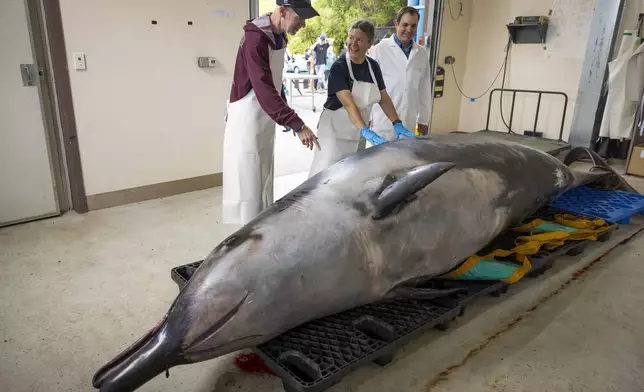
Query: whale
373,226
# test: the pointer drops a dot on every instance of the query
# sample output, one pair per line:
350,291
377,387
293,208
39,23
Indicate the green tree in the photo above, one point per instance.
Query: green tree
336,16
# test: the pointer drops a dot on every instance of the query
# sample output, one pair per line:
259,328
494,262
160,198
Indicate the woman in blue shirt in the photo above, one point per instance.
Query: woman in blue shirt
355,85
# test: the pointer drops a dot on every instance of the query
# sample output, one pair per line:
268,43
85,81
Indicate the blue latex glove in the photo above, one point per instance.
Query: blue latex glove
400,129
371,136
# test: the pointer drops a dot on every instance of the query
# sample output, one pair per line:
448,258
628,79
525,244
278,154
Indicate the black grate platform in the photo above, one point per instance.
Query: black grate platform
316,355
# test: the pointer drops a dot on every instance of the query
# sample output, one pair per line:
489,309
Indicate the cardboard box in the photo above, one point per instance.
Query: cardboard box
636,165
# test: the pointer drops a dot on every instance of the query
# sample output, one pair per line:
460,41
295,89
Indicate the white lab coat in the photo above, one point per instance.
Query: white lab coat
625,88
408,83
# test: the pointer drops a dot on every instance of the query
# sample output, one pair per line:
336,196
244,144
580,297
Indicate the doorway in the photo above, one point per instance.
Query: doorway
34,180
292,161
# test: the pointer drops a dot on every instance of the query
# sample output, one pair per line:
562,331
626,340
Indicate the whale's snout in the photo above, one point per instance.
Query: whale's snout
150,356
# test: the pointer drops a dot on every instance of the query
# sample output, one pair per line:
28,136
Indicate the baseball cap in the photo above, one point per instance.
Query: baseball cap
302,8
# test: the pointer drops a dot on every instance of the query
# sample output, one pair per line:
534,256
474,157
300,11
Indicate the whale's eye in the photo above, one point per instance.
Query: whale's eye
235,240
231,242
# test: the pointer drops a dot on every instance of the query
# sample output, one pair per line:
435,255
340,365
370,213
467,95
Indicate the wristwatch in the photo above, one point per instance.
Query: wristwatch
289,129
396,122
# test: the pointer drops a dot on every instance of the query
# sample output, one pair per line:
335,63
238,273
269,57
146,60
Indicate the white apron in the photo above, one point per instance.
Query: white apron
625,87
337,135
249,144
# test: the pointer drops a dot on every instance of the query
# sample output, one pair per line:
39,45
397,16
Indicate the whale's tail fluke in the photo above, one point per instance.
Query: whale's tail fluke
600,172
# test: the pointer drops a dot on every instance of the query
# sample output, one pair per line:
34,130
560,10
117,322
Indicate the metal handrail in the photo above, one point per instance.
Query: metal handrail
536,117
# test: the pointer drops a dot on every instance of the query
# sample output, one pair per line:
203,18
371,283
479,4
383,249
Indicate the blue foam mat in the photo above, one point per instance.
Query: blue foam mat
613,206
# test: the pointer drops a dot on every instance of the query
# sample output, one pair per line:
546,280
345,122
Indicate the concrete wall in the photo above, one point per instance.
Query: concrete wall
454,42
145,112
531,66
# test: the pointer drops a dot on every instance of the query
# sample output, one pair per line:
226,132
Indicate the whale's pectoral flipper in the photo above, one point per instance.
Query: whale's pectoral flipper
401,191
424,293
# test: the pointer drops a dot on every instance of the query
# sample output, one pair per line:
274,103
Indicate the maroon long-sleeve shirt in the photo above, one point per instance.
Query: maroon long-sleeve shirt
252,71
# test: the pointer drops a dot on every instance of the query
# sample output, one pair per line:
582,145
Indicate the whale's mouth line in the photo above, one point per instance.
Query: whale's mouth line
100,375
194,347
224,348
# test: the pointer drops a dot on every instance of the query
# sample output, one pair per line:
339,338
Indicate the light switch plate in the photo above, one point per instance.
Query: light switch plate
206,62
79,61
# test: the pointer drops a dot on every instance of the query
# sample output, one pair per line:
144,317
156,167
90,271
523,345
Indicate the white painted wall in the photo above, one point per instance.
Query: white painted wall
530,67
454,42
145,112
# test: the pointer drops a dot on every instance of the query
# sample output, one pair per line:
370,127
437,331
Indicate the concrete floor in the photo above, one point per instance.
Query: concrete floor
291,157
78,289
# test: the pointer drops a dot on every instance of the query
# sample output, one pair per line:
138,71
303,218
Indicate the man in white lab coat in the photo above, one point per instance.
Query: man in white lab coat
407,75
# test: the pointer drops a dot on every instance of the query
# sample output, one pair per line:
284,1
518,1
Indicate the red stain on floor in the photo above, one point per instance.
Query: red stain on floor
252,363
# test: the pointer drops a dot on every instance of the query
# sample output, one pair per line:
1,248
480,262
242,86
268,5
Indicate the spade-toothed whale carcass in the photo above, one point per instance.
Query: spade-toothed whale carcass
368,228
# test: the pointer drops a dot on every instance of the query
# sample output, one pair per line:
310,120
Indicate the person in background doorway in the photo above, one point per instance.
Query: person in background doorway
355,86
330,59
309,69
307,56
311,64
320,50
405,68
257,103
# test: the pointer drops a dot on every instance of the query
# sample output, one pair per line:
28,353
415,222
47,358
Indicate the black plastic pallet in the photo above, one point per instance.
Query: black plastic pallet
316,355
182,274
474,289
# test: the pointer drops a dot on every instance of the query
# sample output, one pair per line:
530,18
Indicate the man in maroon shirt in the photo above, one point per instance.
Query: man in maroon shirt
257,103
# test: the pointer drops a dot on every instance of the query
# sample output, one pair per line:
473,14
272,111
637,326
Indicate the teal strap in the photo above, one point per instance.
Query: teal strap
549,227
489,270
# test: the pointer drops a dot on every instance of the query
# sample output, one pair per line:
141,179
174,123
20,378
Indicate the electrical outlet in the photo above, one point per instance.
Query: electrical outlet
79,61
450,60
206,62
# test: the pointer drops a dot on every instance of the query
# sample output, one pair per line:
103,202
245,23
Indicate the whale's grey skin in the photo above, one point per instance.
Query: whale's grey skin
331,245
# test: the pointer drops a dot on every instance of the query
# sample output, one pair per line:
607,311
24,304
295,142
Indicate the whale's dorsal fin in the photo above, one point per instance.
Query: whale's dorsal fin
400,191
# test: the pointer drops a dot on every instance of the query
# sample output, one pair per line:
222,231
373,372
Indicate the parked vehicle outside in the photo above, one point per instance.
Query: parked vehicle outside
295,63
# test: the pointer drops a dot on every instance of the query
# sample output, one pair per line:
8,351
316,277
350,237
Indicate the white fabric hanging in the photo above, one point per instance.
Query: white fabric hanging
625,88
640,125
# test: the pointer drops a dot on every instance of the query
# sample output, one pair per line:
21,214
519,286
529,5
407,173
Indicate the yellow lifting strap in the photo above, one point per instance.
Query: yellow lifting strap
531,244
568,220
474,259
578,223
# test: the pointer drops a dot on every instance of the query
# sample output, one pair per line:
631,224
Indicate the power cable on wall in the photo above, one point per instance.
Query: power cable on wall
503,68
460,10
507,53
